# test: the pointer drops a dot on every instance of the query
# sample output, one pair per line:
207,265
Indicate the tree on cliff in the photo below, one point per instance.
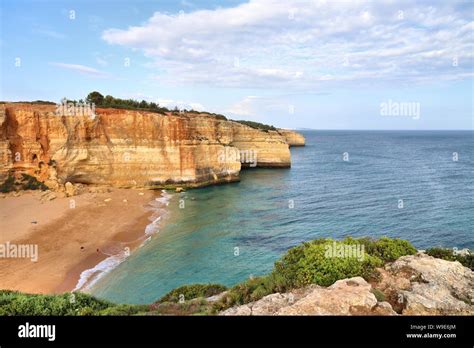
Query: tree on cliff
96,98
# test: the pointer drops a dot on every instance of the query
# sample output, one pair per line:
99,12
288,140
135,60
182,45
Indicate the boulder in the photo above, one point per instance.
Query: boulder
424,285
70,189
351,296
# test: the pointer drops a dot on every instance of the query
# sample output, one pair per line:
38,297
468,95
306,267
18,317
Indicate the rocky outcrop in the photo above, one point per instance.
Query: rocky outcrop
126,148
345,297
424,285
292,138
260,148
412,285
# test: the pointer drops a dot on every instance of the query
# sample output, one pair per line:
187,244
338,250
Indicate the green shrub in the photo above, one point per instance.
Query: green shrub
31,183
449,255
388,249
250,290
257,125
27,182
124,309
309,264
193,291
16,303
8,185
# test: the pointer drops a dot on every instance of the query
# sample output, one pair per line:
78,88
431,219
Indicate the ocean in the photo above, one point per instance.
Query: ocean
414,185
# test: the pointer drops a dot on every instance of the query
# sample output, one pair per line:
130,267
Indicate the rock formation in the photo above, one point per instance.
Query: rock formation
344,297
127,148
412,285
424,285
292,138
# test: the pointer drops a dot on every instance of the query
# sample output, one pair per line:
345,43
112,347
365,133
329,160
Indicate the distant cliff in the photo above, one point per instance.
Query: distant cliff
127,148
292,138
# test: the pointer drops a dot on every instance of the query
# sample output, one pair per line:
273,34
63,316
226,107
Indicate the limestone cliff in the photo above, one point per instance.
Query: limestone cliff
126,148
292,138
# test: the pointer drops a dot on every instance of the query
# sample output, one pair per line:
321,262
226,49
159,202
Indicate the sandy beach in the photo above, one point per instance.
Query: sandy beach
71,236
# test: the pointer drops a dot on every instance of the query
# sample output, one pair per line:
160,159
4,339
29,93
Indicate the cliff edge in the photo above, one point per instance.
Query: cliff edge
129,148
293,138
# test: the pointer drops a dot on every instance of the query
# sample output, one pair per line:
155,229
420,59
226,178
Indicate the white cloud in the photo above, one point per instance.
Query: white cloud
181,104
244,107
307,44
86,70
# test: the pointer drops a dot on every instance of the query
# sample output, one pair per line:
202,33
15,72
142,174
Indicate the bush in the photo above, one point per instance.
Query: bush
27,182
193,291
15,303
8,185
387,249
67,304
124,309
309,264
450,255
257,125
250,290
31,183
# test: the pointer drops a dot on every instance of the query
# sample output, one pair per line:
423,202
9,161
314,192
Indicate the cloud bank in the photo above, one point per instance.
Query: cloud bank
308,44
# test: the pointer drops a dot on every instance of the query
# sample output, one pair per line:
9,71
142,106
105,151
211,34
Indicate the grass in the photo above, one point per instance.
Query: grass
188,292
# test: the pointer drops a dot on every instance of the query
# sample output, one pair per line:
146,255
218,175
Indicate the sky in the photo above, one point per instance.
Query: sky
293,64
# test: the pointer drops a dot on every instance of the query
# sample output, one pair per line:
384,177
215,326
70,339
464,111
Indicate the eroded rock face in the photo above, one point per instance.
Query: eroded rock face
292,138
127,148
271,148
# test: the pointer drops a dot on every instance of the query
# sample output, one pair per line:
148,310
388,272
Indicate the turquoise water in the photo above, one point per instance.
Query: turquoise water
331,198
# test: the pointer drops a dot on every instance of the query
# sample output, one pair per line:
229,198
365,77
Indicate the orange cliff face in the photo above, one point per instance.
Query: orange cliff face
127,148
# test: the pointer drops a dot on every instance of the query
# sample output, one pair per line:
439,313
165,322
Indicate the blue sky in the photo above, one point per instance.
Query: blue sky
299,64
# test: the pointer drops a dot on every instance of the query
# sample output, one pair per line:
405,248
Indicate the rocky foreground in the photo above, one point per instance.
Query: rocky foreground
412,285
405,282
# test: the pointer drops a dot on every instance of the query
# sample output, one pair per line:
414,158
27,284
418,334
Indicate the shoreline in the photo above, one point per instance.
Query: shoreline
73,241
89,276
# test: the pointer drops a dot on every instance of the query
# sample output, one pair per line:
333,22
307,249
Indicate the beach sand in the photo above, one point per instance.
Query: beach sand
70,238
